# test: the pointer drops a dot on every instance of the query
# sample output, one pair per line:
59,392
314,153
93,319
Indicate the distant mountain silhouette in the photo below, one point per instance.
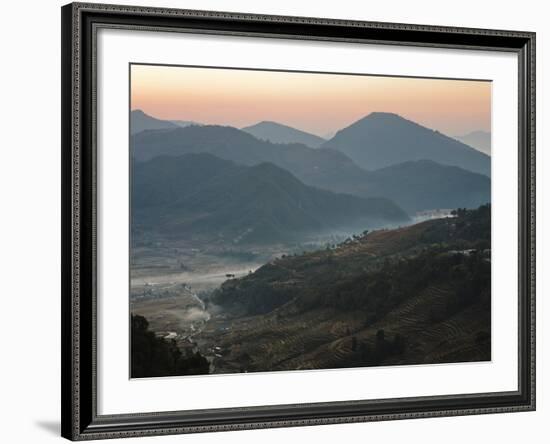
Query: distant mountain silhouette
278,133
480,140
329,169
383,139
200,194
139,121
424,185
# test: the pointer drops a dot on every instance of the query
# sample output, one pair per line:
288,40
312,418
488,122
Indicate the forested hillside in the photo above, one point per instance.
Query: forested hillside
418,294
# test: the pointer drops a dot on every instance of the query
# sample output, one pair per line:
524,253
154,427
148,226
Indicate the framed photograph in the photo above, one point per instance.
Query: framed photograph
280,221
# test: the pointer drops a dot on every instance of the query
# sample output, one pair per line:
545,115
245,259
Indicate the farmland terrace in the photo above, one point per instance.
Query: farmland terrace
412,295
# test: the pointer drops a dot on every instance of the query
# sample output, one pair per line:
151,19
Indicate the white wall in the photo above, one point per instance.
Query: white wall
30,233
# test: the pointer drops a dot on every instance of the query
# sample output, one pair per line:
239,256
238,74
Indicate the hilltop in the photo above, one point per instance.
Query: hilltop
278,133
140,121
380,140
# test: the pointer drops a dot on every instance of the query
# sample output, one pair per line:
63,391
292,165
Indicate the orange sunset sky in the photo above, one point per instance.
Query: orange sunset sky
317,103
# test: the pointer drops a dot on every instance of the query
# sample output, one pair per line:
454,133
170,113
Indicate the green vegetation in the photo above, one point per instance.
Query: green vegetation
356,275
419,294
153,356
378,291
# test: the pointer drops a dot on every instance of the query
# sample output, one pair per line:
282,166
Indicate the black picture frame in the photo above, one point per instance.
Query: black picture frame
80,420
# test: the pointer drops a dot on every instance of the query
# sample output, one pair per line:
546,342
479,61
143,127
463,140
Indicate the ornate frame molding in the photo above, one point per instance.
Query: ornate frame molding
79,407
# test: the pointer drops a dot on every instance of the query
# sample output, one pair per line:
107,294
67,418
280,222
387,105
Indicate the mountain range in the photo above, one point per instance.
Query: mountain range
401,140
201,194
326,168
384,139
414,185
278,133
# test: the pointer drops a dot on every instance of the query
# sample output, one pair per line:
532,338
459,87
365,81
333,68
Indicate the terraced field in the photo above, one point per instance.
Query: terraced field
325,338
413,295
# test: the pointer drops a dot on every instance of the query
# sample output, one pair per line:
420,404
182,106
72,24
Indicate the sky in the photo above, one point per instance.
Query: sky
317,103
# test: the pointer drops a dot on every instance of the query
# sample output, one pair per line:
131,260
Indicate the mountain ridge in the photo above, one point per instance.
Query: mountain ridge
382,139
279,133
140,121
411,185
203,195
322,168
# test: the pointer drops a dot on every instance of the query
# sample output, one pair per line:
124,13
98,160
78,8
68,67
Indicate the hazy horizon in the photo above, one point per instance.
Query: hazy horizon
313,102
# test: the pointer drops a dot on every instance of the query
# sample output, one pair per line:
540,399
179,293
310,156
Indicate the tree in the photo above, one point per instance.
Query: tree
153,356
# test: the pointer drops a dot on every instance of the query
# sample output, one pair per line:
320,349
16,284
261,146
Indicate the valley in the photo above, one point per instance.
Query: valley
170,280
409,295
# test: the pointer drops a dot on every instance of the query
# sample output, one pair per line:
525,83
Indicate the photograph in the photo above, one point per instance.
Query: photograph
294,220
